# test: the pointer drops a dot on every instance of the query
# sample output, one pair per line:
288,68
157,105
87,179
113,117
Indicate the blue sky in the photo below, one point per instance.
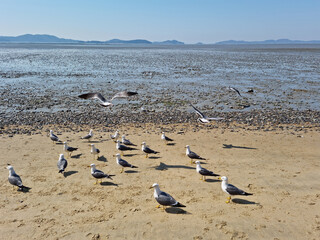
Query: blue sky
157,20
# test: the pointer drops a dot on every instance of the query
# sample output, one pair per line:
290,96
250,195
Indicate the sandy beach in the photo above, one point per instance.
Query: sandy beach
281,168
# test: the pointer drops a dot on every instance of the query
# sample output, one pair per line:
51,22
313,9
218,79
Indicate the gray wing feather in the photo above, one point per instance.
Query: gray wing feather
166,199
232,190
15,180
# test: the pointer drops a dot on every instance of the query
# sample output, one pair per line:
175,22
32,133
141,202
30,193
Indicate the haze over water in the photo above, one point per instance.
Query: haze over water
282,76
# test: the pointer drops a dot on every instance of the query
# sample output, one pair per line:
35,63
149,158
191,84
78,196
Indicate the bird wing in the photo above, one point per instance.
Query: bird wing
233,190
15,179
198,111
215,119
148,150
123,94
99,174
93,96
124,163
165,199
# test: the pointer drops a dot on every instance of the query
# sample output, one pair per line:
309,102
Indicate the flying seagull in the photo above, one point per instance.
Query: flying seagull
234,90
203,118
94,151
62,163
98,174
147,150
122,148
89,136
53,137
204,172
192,155
165,138
103,101
15,179
126,141
230,189
68,148
123,163
164,198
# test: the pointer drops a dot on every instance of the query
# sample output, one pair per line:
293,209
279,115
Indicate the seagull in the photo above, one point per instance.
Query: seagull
123,163
69,149
204,172
165,138
126,141
234,90
230,189
147,150
103,101
164,198
95,95
115,136
14,178
62,163
53,137
123,94
203,118
192,155
98,174
94,151
122,148
89,136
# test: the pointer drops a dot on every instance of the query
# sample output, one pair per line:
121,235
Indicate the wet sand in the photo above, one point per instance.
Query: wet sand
281,168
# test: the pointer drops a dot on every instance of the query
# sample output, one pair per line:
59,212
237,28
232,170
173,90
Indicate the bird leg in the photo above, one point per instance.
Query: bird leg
158,206
96,182
204,178
163,208
147,155
229,198
121,170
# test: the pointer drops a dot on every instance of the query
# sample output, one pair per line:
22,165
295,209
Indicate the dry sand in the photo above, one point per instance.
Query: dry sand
280,168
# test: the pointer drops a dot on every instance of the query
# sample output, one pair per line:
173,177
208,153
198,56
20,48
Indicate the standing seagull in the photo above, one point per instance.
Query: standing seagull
115,136
165,138
98,174
192,155
53,137
69,149
94,151
164,198
14,178
122,148
230,189
204,172
123,163
126,141
203,118
62,163
234,90
89,136
147,150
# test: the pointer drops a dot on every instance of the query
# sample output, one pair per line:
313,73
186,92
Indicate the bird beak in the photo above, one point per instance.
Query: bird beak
150,187
219,178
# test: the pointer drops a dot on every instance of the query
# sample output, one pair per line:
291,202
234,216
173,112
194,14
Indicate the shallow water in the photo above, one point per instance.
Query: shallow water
49,77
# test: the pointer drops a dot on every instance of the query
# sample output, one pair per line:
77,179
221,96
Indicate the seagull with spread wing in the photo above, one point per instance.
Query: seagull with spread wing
203,118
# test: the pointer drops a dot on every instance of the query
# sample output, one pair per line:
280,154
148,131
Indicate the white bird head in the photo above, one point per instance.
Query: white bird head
118,156
155,185
92,145
92,165
9,167
224,178
198,162
51,131
61,156
90,132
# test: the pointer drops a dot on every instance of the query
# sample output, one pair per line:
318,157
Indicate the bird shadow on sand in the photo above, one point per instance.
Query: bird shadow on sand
171,144
95,141
131,171
102,159
154,157
59,143
212,180
162,166
109,184
176,210
77,156
130,155
243,201
229,146
69,173
24,189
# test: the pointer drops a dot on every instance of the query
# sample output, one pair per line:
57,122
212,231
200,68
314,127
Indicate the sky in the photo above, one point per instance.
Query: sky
206,21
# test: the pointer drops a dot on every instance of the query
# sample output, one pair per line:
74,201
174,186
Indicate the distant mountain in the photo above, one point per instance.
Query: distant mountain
37,38
169,42
44,38
279,41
